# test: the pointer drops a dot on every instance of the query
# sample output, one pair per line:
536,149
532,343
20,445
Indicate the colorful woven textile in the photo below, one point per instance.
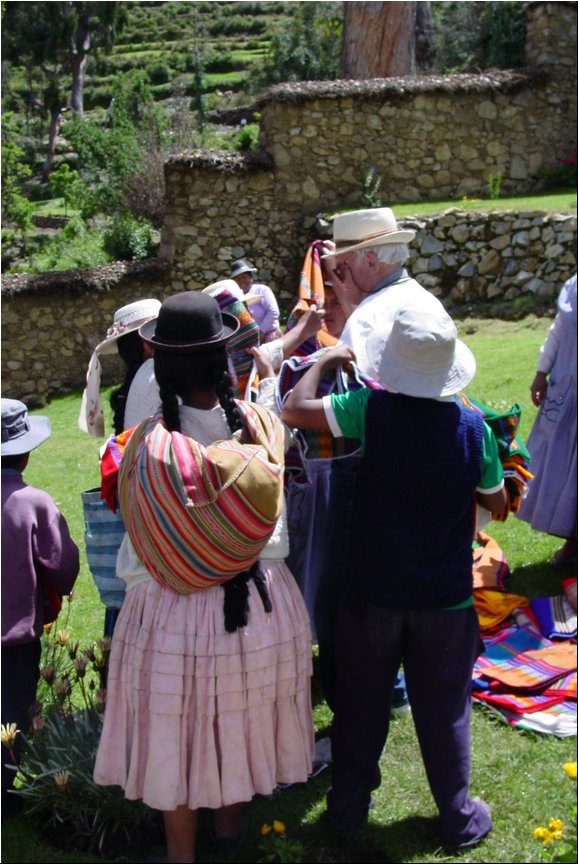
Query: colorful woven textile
512,451
508,643
109,465
495,607
247,336
311,443
490,566
197,516
311,291
565,686
559,719
536,669
555,616
516,703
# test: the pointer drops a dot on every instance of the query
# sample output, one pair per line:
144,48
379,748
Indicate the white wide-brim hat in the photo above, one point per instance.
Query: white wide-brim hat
20,432
126,319
362,228
231,286
420,355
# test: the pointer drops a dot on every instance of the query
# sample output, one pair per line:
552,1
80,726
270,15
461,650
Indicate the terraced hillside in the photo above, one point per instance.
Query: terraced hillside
168,39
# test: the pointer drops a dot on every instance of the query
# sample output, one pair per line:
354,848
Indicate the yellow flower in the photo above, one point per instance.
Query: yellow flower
570,769
61,778
63,636
279,827
556,825
265,829
8,734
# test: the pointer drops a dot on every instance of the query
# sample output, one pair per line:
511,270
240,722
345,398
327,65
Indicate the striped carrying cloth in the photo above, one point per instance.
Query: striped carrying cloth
198,516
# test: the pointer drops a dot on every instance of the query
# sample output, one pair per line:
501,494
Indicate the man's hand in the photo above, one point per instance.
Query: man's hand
312,321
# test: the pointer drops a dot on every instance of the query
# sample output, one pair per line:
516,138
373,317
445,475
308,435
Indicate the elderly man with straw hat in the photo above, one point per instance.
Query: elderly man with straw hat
366,261
367,258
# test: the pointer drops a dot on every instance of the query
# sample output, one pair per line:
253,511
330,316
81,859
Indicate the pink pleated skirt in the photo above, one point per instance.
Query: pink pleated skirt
200,717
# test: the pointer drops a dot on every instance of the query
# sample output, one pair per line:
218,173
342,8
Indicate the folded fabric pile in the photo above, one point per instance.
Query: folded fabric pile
528,680
524,675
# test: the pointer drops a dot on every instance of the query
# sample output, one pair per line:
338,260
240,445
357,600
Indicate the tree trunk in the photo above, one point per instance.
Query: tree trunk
77,95
378,39
424,38
80,46
55,122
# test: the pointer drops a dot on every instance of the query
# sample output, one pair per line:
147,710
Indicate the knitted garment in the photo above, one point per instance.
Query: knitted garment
198,516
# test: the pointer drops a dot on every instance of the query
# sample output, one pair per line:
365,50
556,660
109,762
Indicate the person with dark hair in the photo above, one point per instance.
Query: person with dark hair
208,697
39,565
122,338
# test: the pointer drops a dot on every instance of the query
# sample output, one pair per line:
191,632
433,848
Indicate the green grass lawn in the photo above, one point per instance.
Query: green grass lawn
519,773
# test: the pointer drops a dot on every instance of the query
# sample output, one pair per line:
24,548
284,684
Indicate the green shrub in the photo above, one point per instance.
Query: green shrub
248,138
128,239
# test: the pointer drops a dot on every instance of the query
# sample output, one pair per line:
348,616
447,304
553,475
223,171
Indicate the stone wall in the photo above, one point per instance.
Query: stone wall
52,321
428,137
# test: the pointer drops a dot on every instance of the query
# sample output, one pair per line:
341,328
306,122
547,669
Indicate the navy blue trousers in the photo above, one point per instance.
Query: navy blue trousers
438,649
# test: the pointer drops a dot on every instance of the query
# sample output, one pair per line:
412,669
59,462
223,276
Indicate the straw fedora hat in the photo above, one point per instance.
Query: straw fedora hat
362,228
420,355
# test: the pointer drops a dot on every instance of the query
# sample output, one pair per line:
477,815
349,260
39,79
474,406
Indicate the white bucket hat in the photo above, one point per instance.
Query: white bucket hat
362,228
420,355
126,319
20,432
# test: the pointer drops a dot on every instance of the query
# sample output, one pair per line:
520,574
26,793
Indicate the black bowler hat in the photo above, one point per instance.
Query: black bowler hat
187,322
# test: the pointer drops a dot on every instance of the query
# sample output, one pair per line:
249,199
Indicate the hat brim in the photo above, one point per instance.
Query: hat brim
38,433
230,327
109,346
400,236
244,270
423,384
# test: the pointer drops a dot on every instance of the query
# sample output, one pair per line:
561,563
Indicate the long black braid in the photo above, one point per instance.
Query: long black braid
131,351
177,374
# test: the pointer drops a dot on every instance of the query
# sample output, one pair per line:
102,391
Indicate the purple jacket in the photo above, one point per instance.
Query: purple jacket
37,550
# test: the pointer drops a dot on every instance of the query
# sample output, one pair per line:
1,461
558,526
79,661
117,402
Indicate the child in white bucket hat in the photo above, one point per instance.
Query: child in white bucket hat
426,458
127,321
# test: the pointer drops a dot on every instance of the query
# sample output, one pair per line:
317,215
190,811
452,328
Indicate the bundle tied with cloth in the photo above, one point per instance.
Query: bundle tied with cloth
200,515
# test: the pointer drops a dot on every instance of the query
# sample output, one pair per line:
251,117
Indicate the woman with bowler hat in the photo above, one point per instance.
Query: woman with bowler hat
209,680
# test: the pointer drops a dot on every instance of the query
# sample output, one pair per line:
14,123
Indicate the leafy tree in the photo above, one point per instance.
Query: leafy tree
308,50
16,209
52,41
108,155
477,35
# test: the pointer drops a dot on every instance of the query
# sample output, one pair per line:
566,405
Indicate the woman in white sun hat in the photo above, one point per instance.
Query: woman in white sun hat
122,338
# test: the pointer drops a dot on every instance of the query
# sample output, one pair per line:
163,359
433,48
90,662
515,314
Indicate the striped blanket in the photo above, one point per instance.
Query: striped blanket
311,290
197,516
